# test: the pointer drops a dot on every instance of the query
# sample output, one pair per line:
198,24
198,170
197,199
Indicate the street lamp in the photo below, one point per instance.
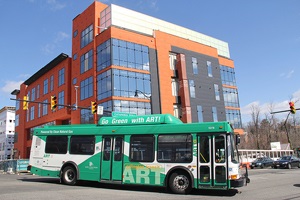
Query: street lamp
101,29
76,101
145,95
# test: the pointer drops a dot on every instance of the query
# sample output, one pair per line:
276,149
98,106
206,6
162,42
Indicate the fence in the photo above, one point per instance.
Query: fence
249,155
14,166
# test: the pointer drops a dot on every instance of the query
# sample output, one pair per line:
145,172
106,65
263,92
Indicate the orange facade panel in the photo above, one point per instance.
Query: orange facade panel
226,62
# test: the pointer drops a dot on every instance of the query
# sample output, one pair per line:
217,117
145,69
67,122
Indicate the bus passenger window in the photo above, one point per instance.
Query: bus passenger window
56,144
84,145
175,148
141,148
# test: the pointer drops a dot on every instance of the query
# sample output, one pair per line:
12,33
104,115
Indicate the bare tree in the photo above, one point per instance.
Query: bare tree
255,114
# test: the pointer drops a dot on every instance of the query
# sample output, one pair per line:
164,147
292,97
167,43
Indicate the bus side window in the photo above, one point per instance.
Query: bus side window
56,144
142,148
175,148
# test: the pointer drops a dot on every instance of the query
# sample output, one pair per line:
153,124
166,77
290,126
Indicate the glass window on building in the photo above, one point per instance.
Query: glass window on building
175,87
139,108
39,109
192,89
199,113
125,83
209,69
74,81
234,117
104,85
17,120
104,55
177,111
32,94
75,33
195,65
61,99
61,77
214,114
130,55
45,107
46,86
18,104
105,17
86,61
107,108
122,53
32,113
86,117
51,83
230,97
227,75
217,92
173,61
87,36
86,88
38,91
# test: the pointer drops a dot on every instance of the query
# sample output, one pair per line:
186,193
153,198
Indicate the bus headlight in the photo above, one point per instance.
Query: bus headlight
233,177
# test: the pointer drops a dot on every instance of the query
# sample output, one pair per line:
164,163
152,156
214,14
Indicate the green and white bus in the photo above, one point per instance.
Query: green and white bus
156,150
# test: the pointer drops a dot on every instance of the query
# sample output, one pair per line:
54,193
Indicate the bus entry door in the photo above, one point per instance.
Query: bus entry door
112,158
212,161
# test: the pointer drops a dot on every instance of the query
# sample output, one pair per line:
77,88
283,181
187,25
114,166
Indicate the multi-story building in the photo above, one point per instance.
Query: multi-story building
7,131
130,62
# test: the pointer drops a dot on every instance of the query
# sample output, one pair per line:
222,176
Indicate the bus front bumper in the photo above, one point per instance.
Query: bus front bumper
239,182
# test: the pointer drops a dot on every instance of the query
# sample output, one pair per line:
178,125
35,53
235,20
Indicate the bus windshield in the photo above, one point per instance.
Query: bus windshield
234,150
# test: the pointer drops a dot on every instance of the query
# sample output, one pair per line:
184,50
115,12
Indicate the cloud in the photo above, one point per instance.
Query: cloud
10,86
267,108
55,5
287,75
60,36
51,47
152,4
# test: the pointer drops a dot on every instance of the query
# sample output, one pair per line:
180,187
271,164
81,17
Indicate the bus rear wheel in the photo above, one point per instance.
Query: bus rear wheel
69,175
180,183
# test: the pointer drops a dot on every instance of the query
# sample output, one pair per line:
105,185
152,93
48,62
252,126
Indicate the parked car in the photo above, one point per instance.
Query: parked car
287,162
262,162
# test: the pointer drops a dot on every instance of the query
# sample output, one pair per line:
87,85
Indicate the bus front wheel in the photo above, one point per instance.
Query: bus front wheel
69,175
180,183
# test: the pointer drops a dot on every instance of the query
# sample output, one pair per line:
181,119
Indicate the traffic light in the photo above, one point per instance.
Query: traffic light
94,107
53,102
292,107
25,103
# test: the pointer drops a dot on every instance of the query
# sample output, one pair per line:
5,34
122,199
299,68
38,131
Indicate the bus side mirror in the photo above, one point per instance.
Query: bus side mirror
237,139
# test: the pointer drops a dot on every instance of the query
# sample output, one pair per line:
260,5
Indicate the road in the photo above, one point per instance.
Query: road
275,184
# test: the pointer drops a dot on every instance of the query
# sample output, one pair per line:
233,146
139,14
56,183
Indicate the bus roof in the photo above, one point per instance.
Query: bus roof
146,124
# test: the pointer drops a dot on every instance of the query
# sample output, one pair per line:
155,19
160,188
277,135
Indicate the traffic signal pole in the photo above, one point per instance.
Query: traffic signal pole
291,110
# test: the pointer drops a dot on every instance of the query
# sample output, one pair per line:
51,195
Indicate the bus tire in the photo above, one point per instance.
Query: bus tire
180,182
69,175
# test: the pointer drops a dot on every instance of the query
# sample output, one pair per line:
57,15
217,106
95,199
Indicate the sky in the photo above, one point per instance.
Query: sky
263,38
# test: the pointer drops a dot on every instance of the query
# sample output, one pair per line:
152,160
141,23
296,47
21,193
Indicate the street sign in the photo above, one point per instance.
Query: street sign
99,110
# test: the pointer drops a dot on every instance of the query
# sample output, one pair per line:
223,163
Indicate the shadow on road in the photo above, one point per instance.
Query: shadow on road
140,188
296,185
